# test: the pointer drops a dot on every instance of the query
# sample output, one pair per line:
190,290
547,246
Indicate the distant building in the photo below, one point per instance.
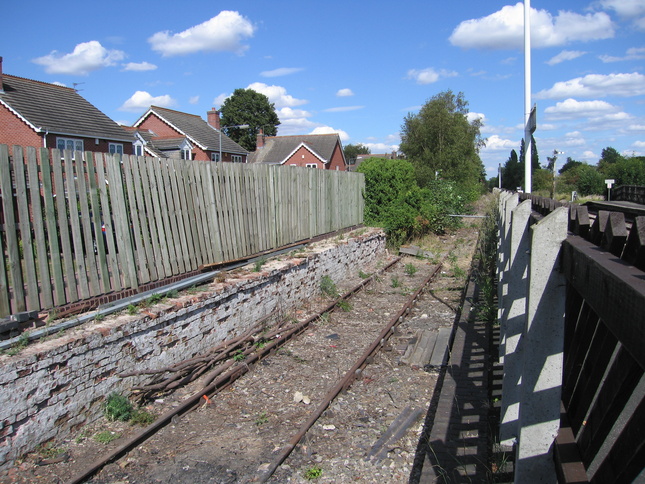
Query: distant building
323,151
39,114
166,133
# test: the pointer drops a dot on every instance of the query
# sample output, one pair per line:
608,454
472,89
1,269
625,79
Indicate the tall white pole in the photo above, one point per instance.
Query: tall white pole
527,96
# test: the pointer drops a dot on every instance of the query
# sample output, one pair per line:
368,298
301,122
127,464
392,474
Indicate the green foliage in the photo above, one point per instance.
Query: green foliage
261,419
142,417
132,309
313,473
542,180
259,263
239,356
344,306
49,450
106,437
118,407
328,287
627,171
441,143
410,269
363,275
246,106
394,201
583,178
21,344
395,282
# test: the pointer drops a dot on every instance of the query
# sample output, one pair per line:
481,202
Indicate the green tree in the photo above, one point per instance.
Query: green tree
608,157
627,171
568,165
512,172
246,106
352,151
441,143
584,179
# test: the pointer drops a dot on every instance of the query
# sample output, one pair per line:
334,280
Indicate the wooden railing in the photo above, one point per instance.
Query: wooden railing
576,345
79,225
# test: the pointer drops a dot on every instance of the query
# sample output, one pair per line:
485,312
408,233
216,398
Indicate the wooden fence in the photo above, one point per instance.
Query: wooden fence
573,340
79,225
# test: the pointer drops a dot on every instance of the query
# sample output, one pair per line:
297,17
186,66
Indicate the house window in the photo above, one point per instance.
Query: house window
115,148
312,165
69,144
236,158
185,154
214,156
138,149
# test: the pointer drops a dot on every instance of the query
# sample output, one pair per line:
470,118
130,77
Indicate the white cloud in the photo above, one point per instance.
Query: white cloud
139,66
597,85
344,92
282,71
636,128
277,95
219,100
328,130
504,29
625,8
497,143
473,116
193,100
86,57
572,109
429,75
222,33
142,100
639,144
290,113
378,148
342,109
635,53
565,55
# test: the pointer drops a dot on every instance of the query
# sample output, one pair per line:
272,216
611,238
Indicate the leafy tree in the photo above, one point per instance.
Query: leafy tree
512,172
583,178
627,171
246,106
609,156
542,179
441,143
352,151
568,165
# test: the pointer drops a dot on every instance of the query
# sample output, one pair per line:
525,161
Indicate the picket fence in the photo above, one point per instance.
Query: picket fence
78,225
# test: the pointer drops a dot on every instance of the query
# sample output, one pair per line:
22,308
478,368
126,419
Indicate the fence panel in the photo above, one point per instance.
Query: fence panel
76,225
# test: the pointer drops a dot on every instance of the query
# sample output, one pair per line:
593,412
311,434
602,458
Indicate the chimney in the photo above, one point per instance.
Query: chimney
1,87
213,118
259,141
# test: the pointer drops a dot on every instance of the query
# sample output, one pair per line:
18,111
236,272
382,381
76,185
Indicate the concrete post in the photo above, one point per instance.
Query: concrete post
514,319
542,343
508,202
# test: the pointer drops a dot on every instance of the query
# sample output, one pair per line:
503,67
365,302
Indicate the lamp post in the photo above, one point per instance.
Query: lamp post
241,126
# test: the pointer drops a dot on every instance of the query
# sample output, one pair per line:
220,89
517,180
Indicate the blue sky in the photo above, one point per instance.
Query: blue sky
357,68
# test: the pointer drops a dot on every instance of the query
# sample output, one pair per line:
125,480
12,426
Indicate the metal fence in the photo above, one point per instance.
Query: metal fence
77,225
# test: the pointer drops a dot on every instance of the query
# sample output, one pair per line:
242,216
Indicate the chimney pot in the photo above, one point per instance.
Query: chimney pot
213,118
259,141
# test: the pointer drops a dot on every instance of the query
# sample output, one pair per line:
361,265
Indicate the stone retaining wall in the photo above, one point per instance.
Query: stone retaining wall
53,388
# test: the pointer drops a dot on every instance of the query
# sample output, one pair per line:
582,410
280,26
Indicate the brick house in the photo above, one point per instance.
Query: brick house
39,114
323,151
166,133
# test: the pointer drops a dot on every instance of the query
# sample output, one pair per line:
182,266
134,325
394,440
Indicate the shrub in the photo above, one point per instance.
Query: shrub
118,407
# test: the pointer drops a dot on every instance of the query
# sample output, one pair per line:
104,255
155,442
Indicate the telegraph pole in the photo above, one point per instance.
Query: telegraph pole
527,97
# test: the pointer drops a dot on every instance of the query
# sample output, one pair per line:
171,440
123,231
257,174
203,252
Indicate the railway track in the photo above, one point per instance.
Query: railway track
336,392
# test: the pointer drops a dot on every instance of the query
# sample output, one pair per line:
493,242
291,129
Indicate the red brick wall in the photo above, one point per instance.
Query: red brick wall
16,132
89,144
303,157
158,127
337,162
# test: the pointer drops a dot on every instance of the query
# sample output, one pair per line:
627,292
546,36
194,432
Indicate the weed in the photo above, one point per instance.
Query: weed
363,275
261,419
344,306
117,407
395,282
154,299
220,277
172,294
142,417
106,437
49,450
410,269
328,287
132,309
239,355
458,272
259,263
324,318
261,343
21,344
313,473
85,433
452,257
99,317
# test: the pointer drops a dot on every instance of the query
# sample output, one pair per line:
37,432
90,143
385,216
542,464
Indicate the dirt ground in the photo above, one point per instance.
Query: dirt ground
239,433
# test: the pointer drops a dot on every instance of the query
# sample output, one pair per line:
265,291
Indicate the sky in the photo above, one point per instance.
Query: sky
353,67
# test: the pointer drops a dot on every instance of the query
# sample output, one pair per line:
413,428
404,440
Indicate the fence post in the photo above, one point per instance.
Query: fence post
508,201
513,319
542,344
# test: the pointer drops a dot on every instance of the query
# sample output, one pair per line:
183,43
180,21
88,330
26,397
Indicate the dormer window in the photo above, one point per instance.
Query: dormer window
116,148
185,154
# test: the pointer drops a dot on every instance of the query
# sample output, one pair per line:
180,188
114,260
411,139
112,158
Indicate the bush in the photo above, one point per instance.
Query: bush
394,201
118,407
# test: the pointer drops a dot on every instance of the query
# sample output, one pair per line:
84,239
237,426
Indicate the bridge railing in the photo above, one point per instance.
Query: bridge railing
572,315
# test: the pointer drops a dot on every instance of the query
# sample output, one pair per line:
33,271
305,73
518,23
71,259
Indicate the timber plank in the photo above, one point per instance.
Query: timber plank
132,190
86,225
614,289
24,224
95,209
168,214
188,261
138,166
164,269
